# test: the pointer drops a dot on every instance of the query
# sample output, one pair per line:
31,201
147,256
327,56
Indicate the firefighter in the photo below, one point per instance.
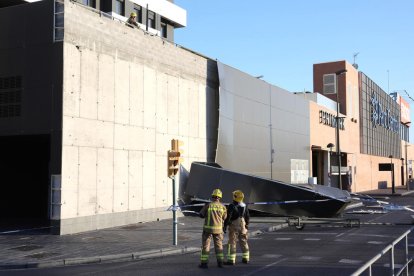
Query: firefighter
214,214
238,222
131,20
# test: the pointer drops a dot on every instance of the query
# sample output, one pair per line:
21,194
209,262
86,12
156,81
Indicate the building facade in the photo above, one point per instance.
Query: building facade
89,106
372,135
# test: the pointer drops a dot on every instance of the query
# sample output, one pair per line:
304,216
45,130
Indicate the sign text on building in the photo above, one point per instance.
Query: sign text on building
382,116
329,119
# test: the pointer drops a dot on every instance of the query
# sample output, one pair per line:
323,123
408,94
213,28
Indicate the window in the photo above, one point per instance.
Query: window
90,3
329,84
119,7
163,30
151,19
138,11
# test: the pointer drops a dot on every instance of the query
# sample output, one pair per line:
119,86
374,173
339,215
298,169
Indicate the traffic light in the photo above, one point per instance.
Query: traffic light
174,157
173,163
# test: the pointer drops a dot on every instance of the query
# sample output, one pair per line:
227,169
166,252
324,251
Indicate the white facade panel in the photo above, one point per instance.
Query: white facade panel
135,180
150,93
121,92
87,181
162,103
70,181
106,88
136,95
89,84
121,183
148,186
183,101
165,9
162,198
105,181
173,107
71,80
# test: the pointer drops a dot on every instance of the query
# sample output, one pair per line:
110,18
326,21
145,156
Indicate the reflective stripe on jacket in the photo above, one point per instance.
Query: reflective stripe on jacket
214,215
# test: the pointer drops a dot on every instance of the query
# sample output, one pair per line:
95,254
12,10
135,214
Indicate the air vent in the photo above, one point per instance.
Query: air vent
10,96
329,84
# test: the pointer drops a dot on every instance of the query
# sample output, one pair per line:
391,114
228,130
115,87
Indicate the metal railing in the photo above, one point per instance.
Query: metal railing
389,249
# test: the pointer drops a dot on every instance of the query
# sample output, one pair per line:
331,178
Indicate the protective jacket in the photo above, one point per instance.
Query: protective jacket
214,214
235,211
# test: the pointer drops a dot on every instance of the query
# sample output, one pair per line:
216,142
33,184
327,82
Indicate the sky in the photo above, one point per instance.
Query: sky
282,39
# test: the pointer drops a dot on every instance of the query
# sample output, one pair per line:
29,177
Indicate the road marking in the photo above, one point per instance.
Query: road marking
342,240
271,256
349,261
375,242
395,265
312,239
304,233
254,272
310,258
283,239
372,235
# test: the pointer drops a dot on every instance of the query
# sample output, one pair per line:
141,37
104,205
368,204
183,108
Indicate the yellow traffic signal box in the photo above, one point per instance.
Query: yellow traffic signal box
173,163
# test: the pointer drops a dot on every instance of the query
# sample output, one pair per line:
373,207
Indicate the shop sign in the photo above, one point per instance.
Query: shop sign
329,119
381,116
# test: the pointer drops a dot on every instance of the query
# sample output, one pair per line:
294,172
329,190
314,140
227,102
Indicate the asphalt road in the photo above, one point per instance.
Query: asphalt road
315,250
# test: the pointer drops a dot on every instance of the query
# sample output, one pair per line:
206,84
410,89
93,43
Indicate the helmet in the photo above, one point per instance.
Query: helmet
133,14
217,193
238,196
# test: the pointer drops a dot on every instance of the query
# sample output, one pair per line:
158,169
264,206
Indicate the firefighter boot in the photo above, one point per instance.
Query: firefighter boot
203,265
220,264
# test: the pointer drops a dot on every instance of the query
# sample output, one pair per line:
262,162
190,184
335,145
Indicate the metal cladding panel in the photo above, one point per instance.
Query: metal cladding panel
203,179
262,128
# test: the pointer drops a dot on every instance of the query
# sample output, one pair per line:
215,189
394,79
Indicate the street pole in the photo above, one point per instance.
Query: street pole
392,176
338,148
406,167
174,213
330,146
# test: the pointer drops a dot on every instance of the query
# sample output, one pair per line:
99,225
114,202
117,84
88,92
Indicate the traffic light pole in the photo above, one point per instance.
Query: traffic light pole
174,213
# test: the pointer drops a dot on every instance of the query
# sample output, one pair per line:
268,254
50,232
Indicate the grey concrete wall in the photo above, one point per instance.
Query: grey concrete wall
126,94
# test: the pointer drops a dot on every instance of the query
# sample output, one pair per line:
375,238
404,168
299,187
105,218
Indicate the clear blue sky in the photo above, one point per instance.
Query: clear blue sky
282,39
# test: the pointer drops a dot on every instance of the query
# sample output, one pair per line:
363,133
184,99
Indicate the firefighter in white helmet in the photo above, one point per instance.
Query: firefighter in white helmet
237,221
214,213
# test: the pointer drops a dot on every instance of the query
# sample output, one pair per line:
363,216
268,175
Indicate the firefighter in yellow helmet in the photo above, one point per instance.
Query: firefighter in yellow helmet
237,221
214,213
132,21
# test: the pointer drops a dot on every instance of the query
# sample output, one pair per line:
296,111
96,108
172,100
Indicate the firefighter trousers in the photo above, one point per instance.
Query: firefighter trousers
238,233
218,246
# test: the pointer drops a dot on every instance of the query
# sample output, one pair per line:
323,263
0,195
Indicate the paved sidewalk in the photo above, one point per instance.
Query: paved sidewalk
38,248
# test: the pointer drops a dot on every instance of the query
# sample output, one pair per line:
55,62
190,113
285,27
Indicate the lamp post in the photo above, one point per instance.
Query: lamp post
392,176
402,171
407,125
330,146
338,149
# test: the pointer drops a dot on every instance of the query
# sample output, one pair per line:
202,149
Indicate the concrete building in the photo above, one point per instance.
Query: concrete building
88,109
373,131
89,106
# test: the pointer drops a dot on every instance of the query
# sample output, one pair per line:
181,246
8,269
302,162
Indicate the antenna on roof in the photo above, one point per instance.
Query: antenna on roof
354,64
